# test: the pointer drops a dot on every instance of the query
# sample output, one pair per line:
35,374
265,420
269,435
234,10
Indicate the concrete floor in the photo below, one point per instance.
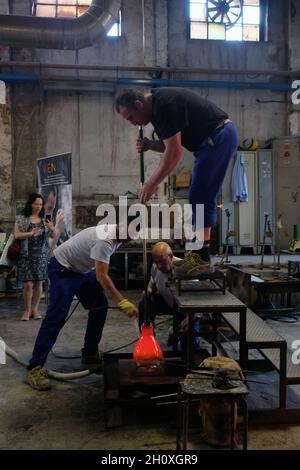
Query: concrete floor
71,415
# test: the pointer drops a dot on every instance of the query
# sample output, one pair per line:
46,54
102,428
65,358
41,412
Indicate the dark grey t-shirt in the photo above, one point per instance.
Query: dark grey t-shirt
179,110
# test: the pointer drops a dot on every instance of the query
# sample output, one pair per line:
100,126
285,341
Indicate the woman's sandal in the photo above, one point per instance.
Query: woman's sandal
25,317
36,316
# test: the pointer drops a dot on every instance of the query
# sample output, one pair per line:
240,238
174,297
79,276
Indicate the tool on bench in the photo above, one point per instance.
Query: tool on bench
279,230
273,251
229,234
267,234
295,243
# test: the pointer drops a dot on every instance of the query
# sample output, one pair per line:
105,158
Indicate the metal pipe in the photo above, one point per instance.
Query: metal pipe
78,85
129,68
205,84
160,82
60,33
51,373
13,77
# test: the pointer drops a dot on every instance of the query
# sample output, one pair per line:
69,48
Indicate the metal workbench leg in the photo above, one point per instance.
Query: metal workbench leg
245,423
175,328
214,333
282,376
186,408
232,430
179,420
243,346
190,341
178,286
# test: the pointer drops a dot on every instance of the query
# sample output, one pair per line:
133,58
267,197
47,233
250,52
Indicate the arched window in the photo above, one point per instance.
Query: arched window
229,20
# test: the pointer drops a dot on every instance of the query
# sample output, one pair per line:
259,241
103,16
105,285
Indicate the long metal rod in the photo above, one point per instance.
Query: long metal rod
227,235
142,180
39,66
264,240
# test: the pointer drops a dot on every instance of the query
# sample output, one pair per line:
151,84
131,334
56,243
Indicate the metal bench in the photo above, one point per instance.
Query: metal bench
291,374
260,336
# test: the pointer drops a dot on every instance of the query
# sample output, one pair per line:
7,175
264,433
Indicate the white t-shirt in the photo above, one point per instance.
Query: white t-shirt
160,279
94,243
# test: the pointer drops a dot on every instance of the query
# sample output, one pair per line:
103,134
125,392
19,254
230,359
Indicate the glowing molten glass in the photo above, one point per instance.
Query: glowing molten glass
147,351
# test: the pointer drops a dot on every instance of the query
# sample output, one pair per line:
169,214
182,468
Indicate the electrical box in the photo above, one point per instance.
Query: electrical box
182,180
287,184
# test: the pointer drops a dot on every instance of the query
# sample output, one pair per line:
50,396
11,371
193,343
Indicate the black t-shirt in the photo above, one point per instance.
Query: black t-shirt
179,110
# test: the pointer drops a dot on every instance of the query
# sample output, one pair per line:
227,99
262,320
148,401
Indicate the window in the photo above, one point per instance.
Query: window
68,9
230,20
115,30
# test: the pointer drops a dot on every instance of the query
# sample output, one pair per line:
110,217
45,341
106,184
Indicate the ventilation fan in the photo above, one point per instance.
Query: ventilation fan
225,12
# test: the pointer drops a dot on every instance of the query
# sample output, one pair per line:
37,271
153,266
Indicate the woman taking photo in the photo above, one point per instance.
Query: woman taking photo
33,231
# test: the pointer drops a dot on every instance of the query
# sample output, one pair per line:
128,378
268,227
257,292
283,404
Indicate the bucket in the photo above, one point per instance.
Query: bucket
216,414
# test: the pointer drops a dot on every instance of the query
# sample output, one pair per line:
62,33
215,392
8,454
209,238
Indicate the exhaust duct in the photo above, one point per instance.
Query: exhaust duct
60,33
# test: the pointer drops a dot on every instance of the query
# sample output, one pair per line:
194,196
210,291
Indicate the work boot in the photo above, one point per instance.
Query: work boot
191,267
37,378
95,359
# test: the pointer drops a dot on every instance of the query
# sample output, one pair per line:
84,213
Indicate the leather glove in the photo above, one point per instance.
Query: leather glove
128,308
149,291
152,289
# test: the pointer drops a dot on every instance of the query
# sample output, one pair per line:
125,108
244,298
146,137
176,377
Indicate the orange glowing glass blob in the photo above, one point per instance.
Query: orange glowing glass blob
147,351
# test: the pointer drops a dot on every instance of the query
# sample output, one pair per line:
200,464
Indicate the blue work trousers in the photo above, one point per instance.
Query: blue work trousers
64,285
211,163
157,306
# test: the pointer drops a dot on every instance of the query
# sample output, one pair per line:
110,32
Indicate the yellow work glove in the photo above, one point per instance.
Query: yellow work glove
127,307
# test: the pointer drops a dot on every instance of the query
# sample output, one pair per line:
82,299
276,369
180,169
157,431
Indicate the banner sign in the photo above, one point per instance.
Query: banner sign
54,176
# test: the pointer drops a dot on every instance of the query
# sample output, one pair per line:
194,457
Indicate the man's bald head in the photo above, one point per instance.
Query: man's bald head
162,256
161,248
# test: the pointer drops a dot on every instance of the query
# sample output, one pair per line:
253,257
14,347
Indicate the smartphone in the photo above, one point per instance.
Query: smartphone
48,217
